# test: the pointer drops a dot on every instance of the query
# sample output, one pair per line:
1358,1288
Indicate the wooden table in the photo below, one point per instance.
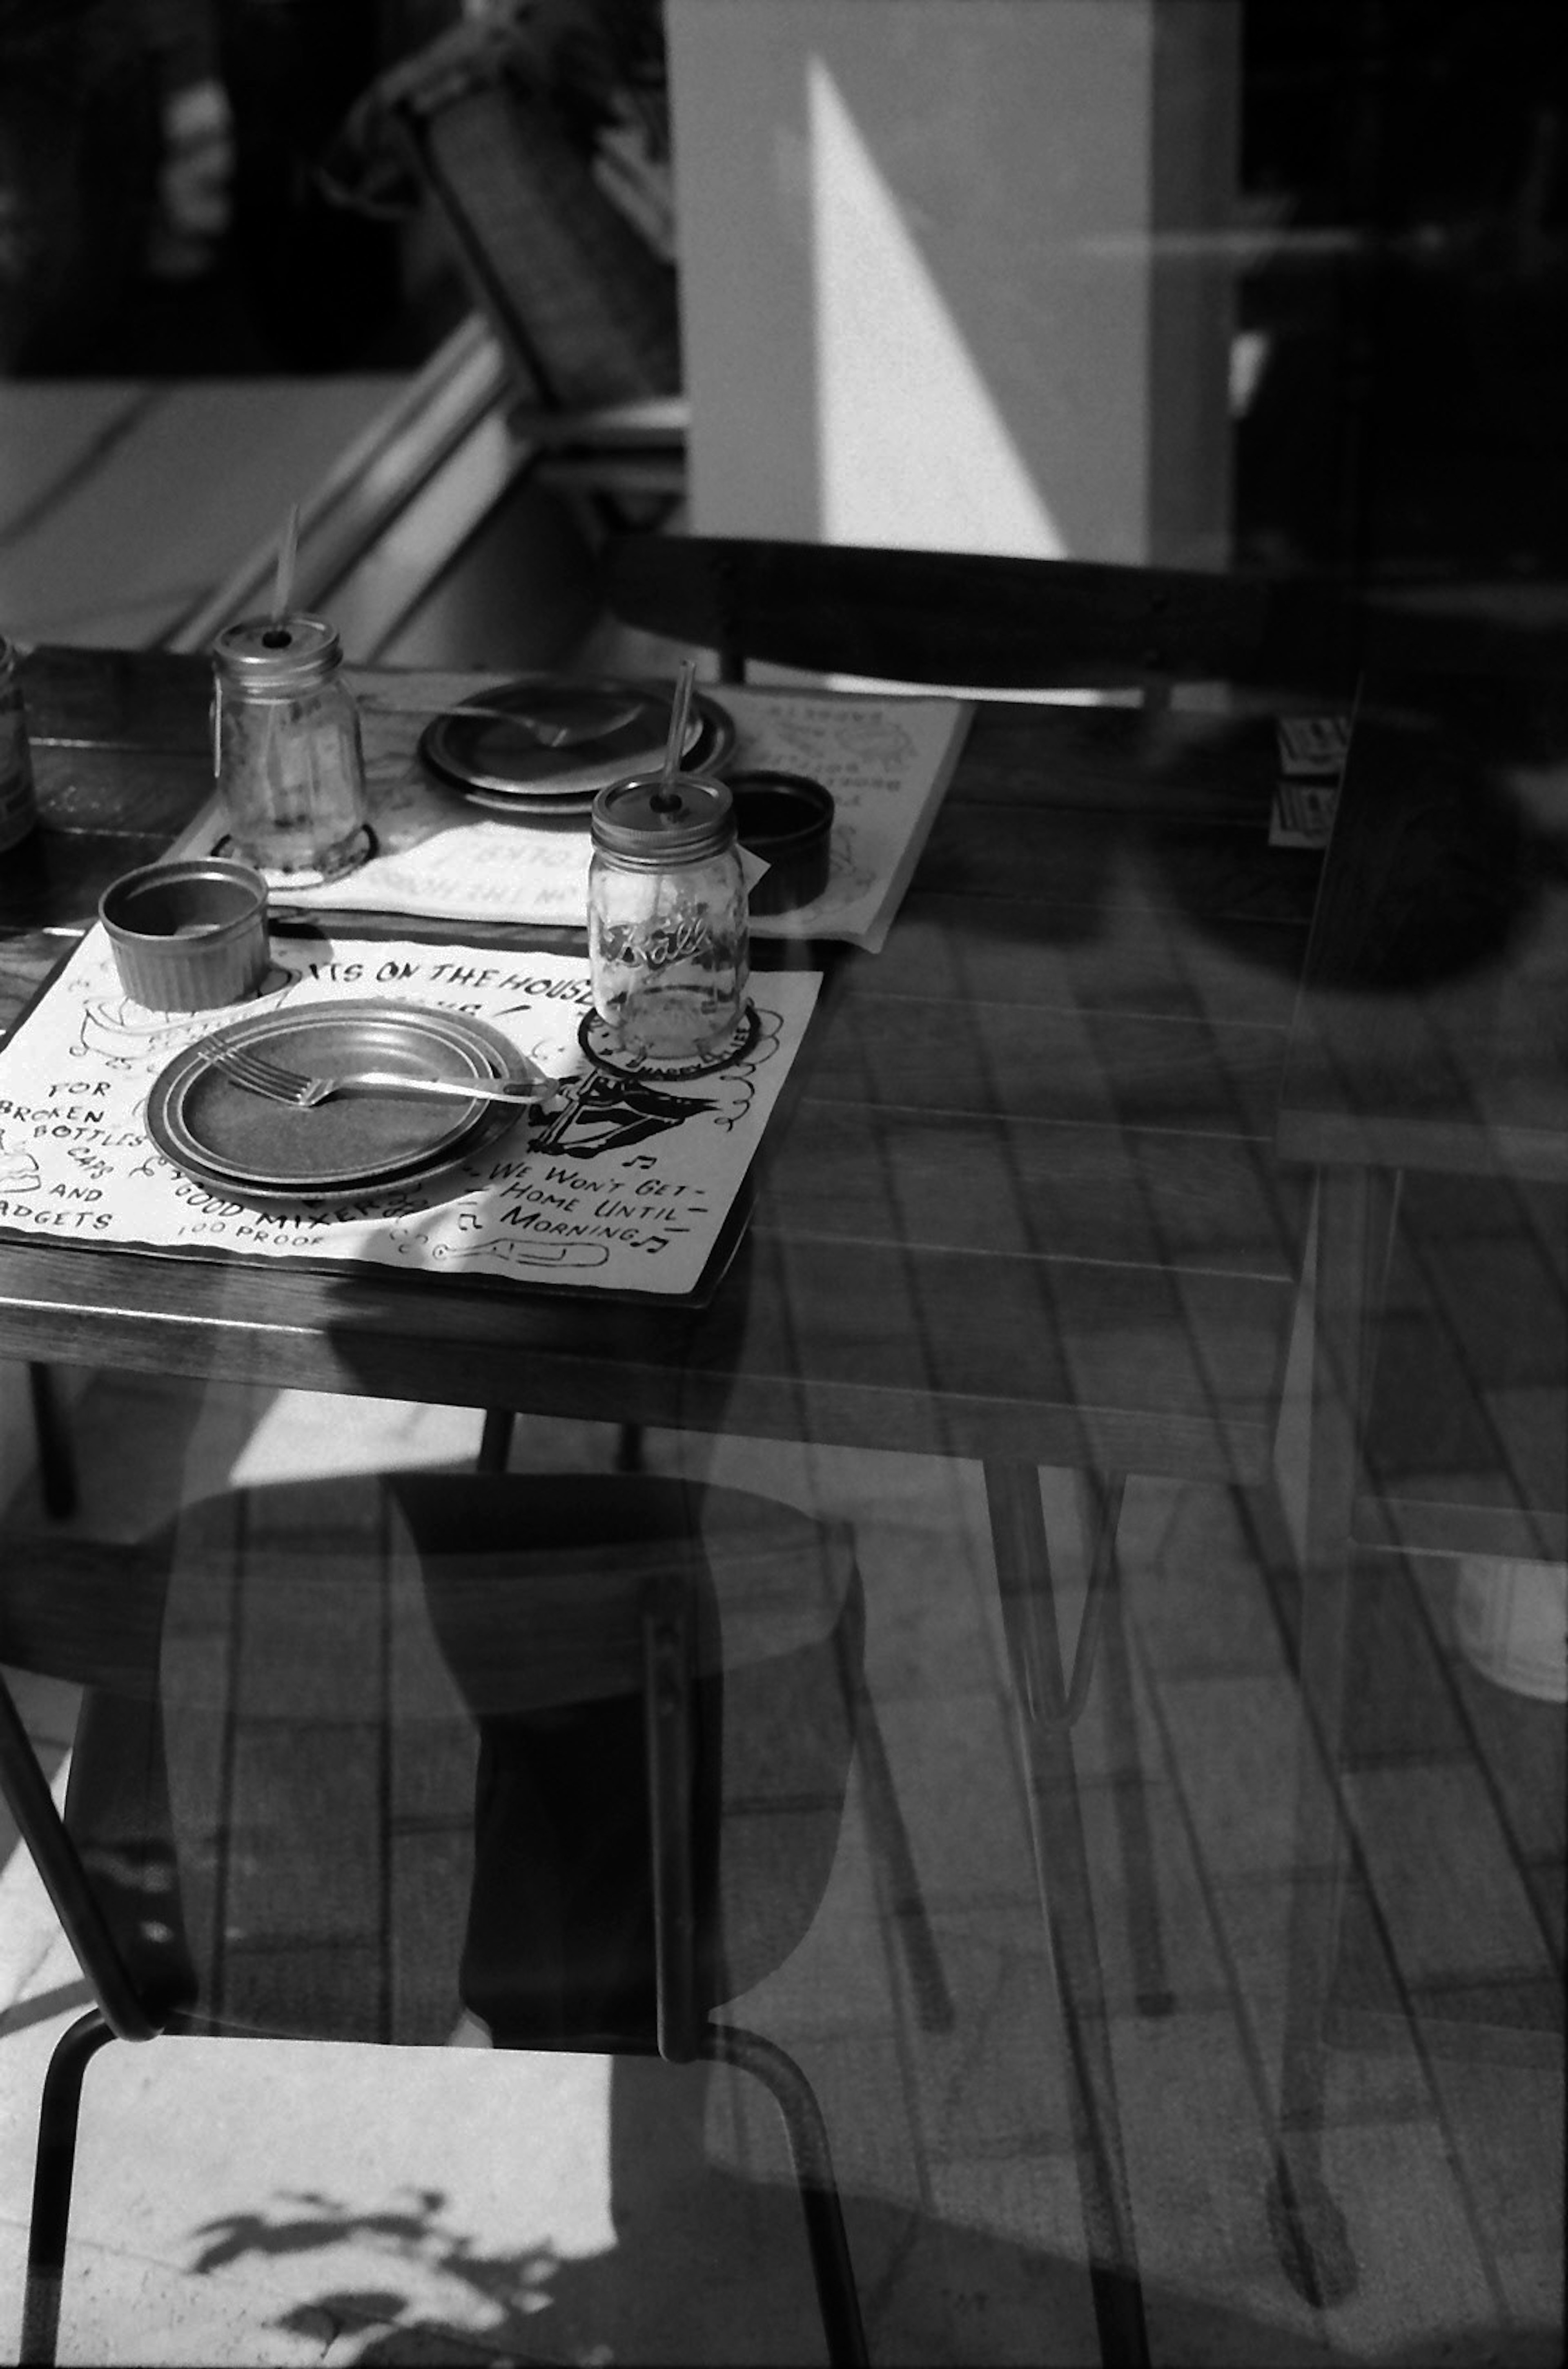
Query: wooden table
1025,1208
1427,1089
1027,1204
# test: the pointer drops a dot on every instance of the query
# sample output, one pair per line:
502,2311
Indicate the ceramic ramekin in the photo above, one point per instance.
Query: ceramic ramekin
188,934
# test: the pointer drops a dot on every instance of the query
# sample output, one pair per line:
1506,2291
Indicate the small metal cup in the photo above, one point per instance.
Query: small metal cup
187,935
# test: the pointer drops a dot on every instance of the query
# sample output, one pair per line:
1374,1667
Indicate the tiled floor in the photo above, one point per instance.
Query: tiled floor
252,2202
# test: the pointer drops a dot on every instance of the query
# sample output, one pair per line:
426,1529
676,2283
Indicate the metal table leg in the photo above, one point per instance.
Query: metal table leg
1356,1215
1061,1866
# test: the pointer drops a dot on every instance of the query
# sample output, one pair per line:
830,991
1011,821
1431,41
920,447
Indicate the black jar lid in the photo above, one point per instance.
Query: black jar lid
787,820
647,822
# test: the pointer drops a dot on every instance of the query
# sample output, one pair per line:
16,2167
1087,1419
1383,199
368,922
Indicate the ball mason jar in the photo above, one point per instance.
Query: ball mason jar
288,754
667,941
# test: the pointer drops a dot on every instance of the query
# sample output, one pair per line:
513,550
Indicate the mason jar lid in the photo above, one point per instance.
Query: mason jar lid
647,823
278,653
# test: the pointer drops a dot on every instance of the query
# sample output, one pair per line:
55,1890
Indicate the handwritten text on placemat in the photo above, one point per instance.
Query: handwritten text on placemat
626,1185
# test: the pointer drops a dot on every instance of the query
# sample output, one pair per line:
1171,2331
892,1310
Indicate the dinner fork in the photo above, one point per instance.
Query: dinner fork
278,1084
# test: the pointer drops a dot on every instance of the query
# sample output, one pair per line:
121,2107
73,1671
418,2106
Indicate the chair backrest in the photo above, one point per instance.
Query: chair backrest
585,307
995,623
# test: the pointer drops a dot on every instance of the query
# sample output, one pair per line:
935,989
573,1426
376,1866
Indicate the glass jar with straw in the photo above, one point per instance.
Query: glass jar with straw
666,911
287,750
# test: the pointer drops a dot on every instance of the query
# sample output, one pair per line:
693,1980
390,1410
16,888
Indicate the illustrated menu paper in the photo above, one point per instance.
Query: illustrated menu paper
626,1185
886,760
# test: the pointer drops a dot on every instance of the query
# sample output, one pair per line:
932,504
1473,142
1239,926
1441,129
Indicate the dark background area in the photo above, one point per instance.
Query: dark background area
1410,418
1409,287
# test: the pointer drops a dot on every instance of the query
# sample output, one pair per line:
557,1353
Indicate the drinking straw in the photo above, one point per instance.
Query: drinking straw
675,745
283,581
282,592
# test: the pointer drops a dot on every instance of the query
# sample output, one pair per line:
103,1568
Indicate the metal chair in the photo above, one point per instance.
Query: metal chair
993,622
486,126
356,1755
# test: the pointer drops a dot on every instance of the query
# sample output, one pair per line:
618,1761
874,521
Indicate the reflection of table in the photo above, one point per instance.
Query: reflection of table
1023,1210
1428,1084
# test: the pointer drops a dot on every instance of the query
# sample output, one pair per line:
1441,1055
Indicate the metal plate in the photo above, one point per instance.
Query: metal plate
520,806
427,1184
564,741
217,1130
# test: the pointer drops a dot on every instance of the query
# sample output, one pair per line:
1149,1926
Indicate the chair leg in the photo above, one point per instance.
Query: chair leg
895,1864
1357,1210
56,1465
1311,2236
1101,1500
893,1857
1061,1862
837,2296
56,2162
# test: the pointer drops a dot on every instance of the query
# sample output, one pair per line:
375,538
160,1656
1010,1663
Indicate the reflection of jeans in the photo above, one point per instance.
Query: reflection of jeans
559,1945
560,1926
79,142
538,1617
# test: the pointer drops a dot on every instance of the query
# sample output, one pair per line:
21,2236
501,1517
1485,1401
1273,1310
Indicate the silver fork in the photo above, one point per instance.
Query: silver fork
281,1085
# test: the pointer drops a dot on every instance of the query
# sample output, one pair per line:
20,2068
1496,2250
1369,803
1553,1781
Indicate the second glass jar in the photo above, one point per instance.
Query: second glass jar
290,764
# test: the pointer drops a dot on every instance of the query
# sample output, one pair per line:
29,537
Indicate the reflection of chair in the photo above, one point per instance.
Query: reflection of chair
356,1754
1439,1340
583,304
1437,1127
983,621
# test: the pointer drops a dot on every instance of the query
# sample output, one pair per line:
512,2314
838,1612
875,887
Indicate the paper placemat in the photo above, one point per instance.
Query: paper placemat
887,760
626,1188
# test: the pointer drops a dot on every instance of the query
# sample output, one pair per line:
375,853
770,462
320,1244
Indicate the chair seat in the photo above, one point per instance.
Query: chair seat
355,1755
386,1758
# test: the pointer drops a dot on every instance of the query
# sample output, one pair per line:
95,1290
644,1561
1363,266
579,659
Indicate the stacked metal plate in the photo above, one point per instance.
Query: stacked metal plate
544,749
244,1147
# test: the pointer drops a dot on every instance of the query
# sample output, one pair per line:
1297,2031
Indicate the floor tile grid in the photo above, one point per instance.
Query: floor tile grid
914,1775
941,2177
1426,2108
1203,2049
1458,1785
908,2081
949,2076
1011,2020
1431,1594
